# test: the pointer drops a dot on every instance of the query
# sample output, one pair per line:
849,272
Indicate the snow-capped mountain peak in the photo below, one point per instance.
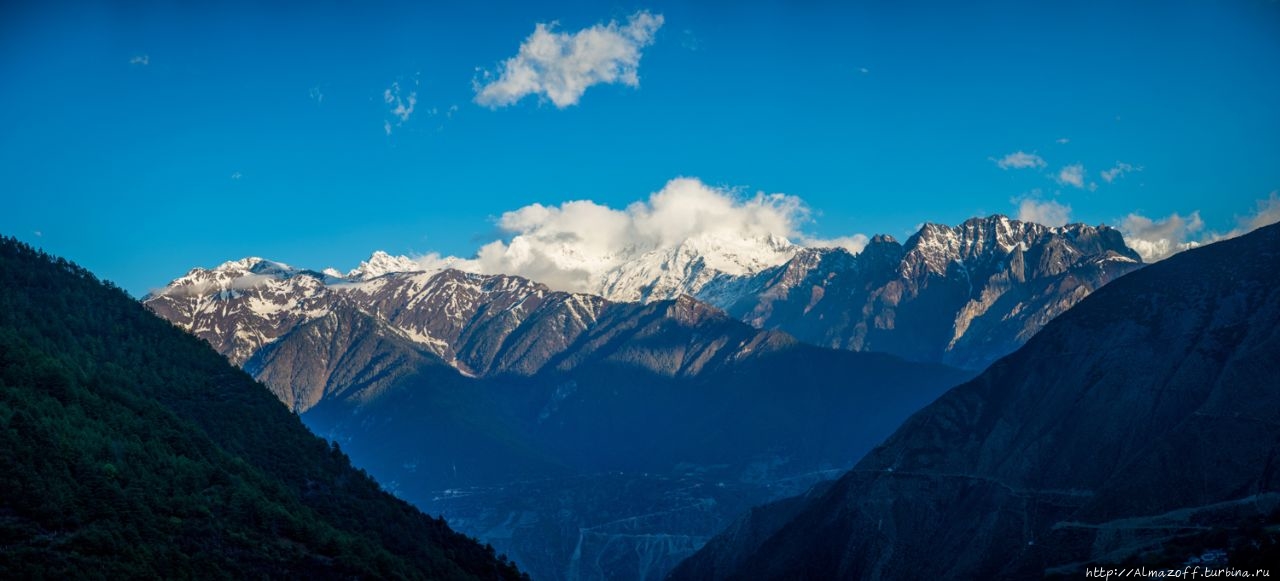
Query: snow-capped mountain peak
690,266
252,265
381,263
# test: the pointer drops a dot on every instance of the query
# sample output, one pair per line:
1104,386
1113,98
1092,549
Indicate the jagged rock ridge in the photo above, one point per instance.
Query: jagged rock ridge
963,295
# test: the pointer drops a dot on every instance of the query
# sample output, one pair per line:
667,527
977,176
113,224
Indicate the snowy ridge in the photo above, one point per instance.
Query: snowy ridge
690,267
962,295
381,263
243,305
990,282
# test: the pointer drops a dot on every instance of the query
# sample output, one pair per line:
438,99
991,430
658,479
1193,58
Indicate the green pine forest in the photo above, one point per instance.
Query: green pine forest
130,449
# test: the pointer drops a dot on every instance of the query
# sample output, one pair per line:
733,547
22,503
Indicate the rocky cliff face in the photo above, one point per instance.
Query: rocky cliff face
963,295
1139,427
256,312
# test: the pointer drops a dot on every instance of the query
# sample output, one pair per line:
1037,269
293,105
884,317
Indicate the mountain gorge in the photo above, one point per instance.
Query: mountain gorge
1138,428
669,418
463,392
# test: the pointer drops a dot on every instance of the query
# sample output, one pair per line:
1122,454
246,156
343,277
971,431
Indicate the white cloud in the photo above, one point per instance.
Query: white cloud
864,70
316,95
575,245
1071,175
1047,212
1160,239
561,66
236,176
1062,141
140,60
1118,171
1266,213
1020,160
854,244
401,104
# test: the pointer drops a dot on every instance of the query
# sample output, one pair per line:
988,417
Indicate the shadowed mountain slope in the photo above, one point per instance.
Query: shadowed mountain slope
1139,427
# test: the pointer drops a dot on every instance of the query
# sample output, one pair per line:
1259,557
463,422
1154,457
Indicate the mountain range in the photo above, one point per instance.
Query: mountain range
593,438
1137,429
731,383
962,295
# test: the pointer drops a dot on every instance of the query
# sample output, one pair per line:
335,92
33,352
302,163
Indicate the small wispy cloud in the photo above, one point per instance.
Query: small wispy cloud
140,60
1020,160
1118,171
1266,212
315,94
38,234
864,70
236,176
1032,208
1071,175
1062,141
562,66
401,102
690,41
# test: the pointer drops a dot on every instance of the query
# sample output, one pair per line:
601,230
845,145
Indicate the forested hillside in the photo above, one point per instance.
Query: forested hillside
129,448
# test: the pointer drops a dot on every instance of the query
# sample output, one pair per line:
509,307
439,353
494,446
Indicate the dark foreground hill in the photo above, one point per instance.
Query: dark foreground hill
1142,427
130,449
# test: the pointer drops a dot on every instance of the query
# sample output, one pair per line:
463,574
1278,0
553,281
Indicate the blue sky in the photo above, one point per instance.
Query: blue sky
143,139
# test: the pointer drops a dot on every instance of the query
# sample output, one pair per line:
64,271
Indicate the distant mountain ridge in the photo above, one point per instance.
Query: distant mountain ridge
962,296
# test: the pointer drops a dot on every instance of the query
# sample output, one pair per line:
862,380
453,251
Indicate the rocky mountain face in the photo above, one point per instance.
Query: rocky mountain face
256,311
1137,428
963,295
242,304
